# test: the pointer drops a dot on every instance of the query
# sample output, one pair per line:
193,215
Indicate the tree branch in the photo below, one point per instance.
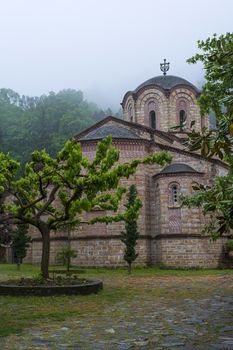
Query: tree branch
50,200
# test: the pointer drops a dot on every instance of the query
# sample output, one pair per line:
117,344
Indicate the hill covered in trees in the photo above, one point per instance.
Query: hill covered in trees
29,123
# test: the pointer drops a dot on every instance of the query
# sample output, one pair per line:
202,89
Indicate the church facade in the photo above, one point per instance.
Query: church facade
170,235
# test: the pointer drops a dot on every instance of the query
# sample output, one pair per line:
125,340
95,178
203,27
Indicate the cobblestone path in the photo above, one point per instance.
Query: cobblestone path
164,313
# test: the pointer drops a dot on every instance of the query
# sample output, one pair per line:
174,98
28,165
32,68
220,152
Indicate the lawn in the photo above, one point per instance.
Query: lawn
120,292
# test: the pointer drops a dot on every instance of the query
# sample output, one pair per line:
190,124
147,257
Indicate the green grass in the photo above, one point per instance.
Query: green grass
17,313
156,271
9,271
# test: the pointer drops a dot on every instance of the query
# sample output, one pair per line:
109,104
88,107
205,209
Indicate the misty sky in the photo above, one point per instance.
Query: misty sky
102,47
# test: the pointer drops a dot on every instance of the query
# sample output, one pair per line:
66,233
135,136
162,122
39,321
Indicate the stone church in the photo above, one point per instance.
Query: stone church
170,235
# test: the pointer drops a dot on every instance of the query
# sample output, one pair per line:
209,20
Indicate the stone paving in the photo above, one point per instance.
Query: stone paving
202,320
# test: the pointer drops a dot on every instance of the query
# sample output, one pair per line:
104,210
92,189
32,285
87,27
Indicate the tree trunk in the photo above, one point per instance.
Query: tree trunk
129,268
18,264
45,232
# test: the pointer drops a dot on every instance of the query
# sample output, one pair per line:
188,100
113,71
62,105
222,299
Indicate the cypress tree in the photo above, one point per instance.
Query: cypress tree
130,235
20,242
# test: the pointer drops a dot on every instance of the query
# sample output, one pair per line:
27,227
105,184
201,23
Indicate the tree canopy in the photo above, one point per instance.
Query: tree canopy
53,193
217,96
44,122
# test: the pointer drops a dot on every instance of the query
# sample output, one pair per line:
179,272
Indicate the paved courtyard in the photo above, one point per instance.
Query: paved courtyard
165,312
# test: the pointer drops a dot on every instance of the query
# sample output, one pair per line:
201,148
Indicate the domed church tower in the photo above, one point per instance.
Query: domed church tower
163,102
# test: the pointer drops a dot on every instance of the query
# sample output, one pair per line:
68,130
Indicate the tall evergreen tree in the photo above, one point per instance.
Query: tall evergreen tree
130,235
20,242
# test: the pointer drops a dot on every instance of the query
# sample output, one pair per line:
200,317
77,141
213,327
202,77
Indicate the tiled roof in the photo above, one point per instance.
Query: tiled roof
115,130
177,168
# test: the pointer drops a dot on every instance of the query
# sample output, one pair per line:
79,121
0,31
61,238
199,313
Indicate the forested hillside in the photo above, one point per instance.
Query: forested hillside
29,123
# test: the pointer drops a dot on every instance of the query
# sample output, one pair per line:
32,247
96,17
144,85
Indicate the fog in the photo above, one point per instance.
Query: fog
103,47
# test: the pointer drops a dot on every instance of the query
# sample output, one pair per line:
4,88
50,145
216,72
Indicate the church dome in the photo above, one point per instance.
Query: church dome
167,82
177,168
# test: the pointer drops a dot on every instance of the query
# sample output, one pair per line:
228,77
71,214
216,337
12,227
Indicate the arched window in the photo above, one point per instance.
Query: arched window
130,113
182,119
182,112
152,114
152,119
174,191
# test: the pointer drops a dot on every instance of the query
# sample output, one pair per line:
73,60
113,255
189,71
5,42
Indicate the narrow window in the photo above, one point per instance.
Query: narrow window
130,114
182,119
153,120
175,194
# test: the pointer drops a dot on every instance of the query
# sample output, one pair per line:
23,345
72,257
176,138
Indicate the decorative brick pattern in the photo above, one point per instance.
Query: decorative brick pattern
167,107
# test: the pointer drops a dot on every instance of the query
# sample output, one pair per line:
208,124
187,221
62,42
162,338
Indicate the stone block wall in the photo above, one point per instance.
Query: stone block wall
108,251
188,252
177,251
55,247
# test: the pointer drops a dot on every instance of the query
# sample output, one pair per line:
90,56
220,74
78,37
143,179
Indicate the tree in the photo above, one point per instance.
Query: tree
42,122
5,239
20,242
54,192
130,235
65,255
217,96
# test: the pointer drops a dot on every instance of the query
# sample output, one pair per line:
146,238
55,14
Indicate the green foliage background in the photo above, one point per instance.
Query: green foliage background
29,123
217,96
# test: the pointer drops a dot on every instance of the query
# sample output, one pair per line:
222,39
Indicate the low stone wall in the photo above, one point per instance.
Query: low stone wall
183,251
93,251
171,250
83,289
107,251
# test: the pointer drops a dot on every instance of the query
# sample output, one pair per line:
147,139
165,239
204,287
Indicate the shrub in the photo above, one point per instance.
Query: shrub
229,245
65,255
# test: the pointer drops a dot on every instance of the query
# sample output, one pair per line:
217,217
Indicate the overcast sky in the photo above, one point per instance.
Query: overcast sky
102,47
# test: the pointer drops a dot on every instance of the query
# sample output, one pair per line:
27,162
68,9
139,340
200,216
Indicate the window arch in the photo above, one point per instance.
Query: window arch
182,118
130,113
174,192
152,114
153,119
182,113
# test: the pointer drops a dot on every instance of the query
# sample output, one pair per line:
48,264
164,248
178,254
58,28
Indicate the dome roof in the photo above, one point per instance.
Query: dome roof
115,131
177,168
167,82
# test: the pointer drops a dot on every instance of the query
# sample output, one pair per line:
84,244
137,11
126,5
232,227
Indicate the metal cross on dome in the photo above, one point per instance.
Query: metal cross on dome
164,66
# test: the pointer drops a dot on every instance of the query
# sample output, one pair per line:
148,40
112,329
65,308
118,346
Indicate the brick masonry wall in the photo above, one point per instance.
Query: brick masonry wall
189,252
55,247
97,245
107,252
96,251
167,112
173,251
